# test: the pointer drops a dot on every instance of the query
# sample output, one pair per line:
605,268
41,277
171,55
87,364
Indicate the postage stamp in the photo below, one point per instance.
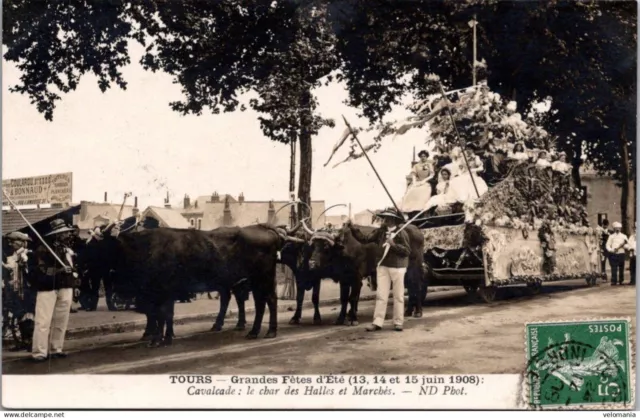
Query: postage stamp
579,364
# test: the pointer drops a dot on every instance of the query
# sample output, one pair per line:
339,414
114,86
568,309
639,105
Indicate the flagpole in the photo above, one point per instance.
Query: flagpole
372,166
6,195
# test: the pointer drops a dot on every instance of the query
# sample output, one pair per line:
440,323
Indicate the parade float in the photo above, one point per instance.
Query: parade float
530,226
527,225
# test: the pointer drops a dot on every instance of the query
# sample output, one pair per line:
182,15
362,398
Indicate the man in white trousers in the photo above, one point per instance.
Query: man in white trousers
391,270
54,284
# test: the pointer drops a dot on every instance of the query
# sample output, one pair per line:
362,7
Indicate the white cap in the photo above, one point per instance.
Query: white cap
617,225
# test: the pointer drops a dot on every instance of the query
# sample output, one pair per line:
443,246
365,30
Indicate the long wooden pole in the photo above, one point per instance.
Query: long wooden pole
475,49
372,166
6,195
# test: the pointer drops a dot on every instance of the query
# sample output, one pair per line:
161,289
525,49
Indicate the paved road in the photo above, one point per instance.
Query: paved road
458,334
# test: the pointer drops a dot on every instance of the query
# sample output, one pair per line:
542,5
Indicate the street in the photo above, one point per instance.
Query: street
457,334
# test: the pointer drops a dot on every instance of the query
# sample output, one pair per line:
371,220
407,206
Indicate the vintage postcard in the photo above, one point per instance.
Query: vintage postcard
304,204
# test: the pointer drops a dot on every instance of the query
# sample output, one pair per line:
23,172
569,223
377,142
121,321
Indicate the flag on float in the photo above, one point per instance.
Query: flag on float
343,138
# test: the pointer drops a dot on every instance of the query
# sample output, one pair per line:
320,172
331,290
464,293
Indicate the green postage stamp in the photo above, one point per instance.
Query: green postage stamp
583,364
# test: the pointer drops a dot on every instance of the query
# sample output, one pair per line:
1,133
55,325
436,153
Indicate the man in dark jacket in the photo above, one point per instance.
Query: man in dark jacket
391,269
604,256
54,284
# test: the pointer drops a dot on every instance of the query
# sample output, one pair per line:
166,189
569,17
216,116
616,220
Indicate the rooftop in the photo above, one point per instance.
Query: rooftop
12,221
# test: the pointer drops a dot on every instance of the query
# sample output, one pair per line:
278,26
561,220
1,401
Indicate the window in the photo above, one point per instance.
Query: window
601,218
199,223
192,222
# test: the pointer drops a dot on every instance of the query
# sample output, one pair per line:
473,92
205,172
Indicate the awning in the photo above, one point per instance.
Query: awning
12,221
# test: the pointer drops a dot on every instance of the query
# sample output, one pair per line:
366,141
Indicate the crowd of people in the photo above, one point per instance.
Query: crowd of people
457,176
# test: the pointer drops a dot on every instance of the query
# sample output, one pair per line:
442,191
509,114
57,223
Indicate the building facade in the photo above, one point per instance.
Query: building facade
603,198
214,211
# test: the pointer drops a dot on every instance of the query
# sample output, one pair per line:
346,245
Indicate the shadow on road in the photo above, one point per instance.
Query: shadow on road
195,338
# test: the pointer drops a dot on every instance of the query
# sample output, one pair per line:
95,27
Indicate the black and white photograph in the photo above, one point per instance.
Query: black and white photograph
319,204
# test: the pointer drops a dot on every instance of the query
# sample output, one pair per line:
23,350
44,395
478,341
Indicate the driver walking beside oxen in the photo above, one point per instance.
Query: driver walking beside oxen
391,268
54,284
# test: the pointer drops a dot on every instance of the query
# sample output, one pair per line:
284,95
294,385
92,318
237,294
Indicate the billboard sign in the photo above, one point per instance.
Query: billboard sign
40,190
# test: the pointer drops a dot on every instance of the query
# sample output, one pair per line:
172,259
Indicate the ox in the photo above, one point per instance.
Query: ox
344,256
159,266
309,274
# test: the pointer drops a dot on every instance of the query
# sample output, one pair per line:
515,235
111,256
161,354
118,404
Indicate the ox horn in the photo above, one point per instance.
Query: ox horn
282,207
327,209
294,239
306,228
295,228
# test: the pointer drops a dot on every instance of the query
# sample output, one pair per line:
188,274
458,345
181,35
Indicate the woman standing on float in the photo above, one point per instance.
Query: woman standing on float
419,190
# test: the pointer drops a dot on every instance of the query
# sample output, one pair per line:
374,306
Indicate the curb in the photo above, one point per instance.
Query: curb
139,325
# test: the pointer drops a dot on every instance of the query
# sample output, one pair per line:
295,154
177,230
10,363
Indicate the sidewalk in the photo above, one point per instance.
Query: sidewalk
86,324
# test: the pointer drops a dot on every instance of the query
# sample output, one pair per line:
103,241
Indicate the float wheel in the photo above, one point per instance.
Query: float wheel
534,288
488,294
471,289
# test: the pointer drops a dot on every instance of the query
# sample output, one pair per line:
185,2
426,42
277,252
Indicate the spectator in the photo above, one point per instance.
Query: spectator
631,247
616,248
604,255
18,297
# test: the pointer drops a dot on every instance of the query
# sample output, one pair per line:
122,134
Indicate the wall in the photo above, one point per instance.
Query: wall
603,196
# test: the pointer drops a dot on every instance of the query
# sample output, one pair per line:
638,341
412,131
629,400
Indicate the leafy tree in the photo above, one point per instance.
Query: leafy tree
582,55
215,50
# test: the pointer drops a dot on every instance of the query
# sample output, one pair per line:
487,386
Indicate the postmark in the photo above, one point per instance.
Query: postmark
583,364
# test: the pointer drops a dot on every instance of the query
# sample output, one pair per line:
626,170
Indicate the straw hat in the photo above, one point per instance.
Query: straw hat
390,213
18,236
617,225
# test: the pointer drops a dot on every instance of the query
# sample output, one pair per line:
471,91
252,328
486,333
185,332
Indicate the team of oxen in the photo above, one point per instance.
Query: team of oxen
158,266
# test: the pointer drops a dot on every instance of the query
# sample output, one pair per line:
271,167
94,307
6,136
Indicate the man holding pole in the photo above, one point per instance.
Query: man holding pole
55,292
392,267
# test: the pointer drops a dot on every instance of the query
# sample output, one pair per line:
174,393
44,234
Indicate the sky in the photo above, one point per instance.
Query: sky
131,141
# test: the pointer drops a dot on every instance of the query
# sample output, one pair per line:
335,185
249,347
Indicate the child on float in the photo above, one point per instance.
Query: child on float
519,152
543,159
443,196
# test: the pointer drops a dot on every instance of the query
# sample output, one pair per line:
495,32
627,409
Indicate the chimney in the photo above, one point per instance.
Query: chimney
241,198
226,217
105,197
135,210
271,213
167,205
187,202
215,198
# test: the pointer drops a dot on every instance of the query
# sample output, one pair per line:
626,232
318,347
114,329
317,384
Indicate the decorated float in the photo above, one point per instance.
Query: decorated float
520,221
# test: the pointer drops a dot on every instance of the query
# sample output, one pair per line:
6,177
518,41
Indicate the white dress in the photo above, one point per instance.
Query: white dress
561,166
543,163
518,156
444,197
462,186
419,191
